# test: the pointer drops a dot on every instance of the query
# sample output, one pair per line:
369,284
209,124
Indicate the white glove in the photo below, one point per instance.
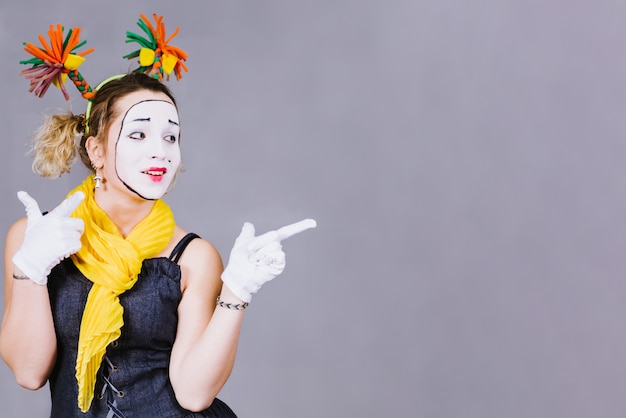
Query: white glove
48,239
256,260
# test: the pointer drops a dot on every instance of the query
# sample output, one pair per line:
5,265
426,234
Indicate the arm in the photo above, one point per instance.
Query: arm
34,245
27,337
206,342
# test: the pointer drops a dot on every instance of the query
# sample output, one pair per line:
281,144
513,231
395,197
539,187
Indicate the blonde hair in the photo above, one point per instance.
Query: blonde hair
56,143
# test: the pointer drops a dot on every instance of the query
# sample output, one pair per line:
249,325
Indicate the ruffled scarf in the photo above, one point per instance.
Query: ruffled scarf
112,263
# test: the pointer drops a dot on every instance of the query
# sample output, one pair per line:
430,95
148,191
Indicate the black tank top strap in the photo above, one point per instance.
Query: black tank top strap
182,244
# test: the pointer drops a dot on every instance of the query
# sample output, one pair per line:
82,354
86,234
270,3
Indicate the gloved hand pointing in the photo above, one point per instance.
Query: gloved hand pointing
256,260
48,239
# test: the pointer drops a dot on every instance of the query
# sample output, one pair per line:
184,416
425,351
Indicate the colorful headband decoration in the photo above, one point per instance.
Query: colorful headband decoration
156,57
53,63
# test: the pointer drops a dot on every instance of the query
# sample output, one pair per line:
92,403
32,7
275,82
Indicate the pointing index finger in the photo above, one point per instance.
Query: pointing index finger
68,206
295,228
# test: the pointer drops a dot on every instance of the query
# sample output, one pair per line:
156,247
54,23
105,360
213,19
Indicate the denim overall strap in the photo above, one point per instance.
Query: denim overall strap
182,244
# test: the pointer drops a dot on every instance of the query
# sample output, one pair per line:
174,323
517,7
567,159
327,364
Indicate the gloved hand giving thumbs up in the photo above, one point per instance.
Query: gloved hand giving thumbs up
256,260
48,239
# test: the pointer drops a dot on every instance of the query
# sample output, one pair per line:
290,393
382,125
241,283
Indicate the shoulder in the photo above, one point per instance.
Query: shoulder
200,262
15,234
202,257
201,248
197,248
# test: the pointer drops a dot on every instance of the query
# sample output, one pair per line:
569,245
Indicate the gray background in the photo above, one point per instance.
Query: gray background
465,163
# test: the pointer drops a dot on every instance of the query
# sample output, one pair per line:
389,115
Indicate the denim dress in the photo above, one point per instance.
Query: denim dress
133,380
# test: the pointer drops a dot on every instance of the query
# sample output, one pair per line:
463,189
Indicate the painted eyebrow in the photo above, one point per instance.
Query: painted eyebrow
148,120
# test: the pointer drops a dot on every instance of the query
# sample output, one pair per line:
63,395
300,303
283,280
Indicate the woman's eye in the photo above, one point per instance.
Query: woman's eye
171,138
137,135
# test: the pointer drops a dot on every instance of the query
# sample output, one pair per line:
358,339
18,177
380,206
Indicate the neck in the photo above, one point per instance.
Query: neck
125,213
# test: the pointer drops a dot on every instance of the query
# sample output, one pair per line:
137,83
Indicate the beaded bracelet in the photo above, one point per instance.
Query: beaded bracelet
16,277
237,306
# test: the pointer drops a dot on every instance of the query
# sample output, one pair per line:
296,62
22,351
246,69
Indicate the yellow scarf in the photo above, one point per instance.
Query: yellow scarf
112,263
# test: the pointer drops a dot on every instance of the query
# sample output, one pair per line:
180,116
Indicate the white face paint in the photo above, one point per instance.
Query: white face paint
148,149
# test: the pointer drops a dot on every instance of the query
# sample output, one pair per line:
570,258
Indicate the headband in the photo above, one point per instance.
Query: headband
56,60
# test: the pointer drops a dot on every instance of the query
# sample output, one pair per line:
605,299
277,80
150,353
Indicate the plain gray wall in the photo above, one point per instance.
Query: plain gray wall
464,160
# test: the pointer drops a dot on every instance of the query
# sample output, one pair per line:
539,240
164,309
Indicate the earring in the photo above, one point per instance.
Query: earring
97,179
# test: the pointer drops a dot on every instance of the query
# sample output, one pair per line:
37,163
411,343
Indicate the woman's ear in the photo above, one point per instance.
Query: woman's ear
95,150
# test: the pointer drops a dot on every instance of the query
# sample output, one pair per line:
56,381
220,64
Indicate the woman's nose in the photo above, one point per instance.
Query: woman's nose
156,149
